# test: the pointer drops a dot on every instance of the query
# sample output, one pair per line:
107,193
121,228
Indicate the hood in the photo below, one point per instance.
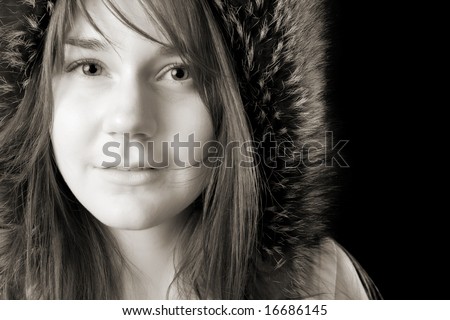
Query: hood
278,48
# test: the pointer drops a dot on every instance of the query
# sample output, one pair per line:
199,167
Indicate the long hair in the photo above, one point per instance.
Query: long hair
52,248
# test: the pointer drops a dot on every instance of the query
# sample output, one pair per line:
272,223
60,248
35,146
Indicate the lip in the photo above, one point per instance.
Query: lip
129,176
129,168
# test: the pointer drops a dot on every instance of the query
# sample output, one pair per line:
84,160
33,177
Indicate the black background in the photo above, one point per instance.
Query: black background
389,217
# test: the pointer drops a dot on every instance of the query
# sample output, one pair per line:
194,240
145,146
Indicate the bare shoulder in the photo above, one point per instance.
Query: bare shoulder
335,274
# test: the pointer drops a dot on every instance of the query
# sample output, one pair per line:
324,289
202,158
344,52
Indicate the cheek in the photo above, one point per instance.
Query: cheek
188,127
74,127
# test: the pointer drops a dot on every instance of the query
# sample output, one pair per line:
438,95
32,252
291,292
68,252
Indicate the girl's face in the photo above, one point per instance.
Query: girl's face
120,106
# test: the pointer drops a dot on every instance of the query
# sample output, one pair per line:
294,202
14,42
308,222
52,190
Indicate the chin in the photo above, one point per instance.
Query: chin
127,218
126,221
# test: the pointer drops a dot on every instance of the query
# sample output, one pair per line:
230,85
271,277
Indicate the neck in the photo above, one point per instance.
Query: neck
150,255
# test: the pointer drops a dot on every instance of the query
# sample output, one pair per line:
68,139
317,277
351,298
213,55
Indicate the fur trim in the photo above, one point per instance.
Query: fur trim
22,28
279,51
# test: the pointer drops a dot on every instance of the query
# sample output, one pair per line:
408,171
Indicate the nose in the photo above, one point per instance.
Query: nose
131,110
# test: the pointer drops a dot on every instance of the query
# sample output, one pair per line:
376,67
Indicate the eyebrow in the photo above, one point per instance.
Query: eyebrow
167,50
92,44
97,45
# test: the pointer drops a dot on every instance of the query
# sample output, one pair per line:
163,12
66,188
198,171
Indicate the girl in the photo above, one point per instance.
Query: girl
166,149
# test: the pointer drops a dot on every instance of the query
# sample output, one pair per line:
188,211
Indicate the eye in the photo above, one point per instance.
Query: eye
91,69
175,72
179,74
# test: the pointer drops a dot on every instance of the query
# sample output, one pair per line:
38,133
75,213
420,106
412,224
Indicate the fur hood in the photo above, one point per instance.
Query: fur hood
278,48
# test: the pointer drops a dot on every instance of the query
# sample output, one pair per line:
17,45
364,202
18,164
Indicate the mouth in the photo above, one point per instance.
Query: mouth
131,168
129,176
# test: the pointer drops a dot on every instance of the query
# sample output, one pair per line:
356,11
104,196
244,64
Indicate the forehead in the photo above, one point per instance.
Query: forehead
111,21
